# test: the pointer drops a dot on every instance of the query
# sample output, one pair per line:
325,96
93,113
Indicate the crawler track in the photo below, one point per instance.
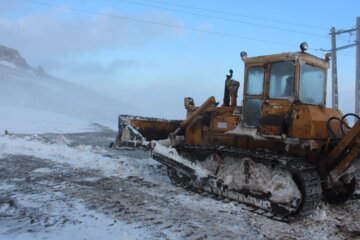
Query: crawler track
304,173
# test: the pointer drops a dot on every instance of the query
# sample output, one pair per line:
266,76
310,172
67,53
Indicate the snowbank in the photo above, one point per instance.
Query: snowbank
24,120
83,156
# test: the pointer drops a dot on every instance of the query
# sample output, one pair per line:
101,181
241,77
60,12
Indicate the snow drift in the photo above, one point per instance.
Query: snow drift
23,87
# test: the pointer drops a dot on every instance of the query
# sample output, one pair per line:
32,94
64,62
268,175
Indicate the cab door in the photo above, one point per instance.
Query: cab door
253,95
277,107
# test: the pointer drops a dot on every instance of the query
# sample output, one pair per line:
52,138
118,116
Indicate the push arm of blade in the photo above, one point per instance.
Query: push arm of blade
210,101
172,136
345,142
344,164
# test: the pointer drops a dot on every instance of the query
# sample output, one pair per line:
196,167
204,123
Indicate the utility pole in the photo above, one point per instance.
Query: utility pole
357,74
335,100
333,50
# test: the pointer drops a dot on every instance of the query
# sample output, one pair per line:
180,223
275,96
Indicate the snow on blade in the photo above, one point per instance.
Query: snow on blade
167,151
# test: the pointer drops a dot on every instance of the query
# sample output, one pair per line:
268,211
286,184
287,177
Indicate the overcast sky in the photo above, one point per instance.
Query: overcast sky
156,52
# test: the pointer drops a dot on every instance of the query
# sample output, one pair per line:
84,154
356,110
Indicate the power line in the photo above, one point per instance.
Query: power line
320,51
157,23
237,14
348,40
340,48
346,31
226,19
347,55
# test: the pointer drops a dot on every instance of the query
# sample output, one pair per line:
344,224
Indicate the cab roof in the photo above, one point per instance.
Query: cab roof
289,56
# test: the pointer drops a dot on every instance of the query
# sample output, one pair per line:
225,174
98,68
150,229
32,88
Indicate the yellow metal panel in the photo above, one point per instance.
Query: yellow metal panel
310,122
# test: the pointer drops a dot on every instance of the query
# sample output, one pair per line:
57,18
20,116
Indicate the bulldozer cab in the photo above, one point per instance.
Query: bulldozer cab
273,84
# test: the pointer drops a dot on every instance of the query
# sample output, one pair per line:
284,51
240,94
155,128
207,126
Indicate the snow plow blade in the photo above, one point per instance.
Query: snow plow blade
135,131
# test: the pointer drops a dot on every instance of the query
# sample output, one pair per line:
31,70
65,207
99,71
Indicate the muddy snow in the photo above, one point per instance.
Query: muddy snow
72,186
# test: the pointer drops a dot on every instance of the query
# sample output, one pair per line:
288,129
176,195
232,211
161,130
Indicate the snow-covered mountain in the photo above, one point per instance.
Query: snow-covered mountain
23,87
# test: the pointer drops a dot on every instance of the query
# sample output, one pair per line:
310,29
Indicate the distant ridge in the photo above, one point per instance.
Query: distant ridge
12,56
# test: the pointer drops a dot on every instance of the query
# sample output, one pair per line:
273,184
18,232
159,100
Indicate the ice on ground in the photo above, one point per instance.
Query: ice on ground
62,219
43,170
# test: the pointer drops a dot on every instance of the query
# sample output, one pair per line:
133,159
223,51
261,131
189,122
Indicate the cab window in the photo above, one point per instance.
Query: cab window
255,81
312,84
281,83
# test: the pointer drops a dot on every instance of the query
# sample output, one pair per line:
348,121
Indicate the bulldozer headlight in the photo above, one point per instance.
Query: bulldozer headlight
328,56
243,55
304,46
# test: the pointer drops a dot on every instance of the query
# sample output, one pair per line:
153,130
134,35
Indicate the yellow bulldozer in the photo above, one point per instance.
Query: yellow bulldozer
281,151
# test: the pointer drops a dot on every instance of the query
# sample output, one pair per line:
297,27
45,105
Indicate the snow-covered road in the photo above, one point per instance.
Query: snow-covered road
71,186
